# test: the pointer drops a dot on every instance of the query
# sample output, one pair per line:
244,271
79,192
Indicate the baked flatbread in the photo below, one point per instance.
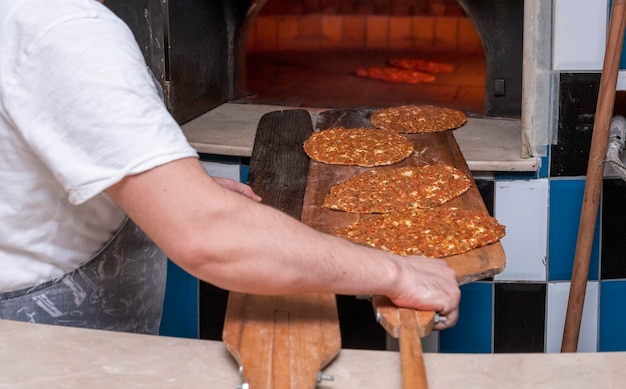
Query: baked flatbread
358,146
397,189
435,232
418,118
422,65
392,74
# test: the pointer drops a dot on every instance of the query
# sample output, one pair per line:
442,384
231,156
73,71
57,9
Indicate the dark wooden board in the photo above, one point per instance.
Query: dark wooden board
281,341
278,165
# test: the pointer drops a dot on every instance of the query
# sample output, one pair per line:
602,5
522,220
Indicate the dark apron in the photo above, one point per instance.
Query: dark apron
120,289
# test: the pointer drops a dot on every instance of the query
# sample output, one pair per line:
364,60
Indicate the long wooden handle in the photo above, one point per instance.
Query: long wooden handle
413,368
593,184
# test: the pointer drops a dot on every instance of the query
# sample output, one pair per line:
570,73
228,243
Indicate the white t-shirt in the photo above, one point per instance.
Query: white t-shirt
78,112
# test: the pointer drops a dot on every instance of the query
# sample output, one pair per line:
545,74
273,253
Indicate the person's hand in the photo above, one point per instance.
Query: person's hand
429,284
238,187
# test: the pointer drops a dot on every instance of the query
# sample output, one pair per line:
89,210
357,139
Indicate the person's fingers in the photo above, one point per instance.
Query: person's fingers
248,192
449,315
431,285
238,187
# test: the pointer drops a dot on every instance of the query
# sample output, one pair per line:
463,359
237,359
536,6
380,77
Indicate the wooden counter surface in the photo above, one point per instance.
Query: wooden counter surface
43,356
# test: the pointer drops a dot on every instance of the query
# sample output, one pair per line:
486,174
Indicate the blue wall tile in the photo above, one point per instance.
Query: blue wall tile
566,198
472,333
180,310
244,172
622,63
612,316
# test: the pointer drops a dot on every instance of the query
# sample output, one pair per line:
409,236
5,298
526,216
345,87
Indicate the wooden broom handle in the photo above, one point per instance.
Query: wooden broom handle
593,184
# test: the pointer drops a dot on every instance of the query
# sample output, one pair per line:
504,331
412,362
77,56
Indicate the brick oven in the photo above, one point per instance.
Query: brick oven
199,49
295,47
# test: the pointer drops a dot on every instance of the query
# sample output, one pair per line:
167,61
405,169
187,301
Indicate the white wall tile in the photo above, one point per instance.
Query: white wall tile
558,296
217,169
621,80
522,207
579,35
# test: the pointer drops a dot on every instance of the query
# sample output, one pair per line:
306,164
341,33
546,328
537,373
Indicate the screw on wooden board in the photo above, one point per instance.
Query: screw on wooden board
439,318
324,377
245,385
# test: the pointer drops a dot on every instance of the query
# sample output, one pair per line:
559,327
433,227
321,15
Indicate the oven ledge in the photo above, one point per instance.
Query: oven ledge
488,144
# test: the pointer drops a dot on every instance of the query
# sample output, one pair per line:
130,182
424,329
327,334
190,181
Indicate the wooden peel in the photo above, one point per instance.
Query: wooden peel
281,342
595,171
406,324
430,148
413,368
409,326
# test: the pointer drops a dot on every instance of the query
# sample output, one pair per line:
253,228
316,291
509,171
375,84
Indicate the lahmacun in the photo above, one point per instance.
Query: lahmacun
434,232
397,188
422,65
392,74
418,118
358,146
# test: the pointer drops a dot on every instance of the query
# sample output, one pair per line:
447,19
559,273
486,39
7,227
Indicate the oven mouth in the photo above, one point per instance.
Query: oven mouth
294,58
329,79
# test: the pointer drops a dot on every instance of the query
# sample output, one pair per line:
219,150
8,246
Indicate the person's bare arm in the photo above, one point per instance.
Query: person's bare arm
220,234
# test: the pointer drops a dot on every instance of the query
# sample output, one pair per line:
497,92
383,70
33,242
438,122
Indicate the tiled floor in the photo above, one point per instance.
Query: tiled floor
327,80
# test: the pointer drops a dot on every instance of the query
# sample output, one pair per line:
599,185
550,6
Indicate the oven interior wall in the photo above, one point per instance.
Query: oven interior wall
305,53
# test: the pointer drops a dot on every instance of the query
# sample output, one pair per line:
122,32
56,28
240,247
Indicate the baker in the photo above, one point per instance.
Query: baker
100,187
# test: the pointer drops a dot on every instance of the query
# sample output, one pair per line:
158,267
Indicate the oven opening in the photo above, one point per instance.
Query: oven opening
347,54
